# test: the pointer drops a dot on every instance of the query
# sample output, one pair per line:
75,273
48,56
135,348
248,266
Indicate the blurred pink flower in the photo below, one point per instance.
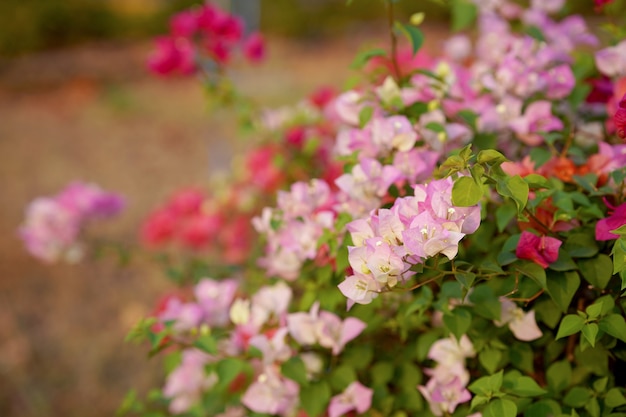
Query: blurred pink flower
355,397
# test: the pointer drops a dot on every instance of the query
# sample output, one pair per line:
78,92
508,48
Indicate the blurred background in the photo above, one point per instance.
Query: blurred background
76,102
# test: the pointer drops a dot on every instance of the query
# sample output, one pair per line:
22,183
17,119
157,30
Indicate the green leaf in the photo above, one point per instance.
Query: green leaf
227,370
490,156
577,397
466,192
590,332
314,398
515,188
525,386
490,358
358,356
599,385
504,214
593,407
594,310
478,400
500,408
533,271
548,312
365,115
295,370
341,377
615,325
536,181
206,343
597,271
458,321
487,385
619,256
614,398
581,245
543,408
413,34
521,356
463,14
381,373
466,279
363,57
486,301
559,376
562,286
571,324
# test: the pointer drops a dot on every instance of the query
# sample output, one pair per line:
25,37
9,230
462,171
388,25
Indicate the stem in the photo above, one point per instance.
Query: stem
528,299
394,42
568,143
428,281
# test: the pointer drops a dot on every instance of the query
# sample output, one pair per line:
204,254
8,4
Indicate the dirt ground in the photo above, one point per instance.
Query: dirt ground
93,113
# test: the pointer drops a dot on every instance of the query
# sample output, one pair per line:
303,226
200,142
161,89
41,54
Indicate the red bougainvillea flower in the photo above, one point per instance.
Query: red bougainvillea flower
254,48
620,118
601,3
172,56
614,221
542,250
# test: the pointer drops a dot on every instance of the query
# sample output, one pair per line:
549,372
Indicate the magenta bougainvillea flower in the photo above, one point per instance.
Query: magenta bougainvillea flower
542,250
614,221
620,118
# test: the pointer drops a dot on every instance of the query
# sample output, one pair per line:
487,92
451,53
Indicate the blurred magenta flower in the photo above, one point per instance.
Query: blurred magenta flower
620,118
614,221
542,250
254,48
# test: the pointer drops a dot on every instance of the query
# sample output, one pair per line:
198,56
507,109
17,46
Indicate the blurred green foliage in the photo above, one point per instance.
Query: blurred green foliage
30,25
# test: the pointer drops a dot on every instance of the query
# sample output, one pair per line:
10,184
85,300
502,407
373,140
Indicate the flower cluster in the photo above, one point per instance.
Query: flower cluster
391,241
446,388
203,32
53,225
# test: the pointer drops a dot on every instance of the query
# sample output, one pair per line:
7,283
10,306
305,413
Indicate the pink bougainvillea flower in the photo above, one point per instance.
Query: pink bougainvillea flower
356,397
185,384
614,221
444,396
172,56
542,250
522,324
620,118
360,289
184,24
272,394
254,48
334,333
611,61
537,118
304,327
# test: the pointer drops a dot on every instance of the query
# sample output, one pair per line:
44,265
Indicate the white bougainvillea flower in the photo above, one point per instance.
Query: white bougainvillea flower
522,324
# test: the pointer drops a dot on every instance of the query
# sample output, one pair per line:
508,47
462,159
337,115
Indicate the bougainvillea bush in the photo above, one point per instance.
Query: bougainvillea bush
447,237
